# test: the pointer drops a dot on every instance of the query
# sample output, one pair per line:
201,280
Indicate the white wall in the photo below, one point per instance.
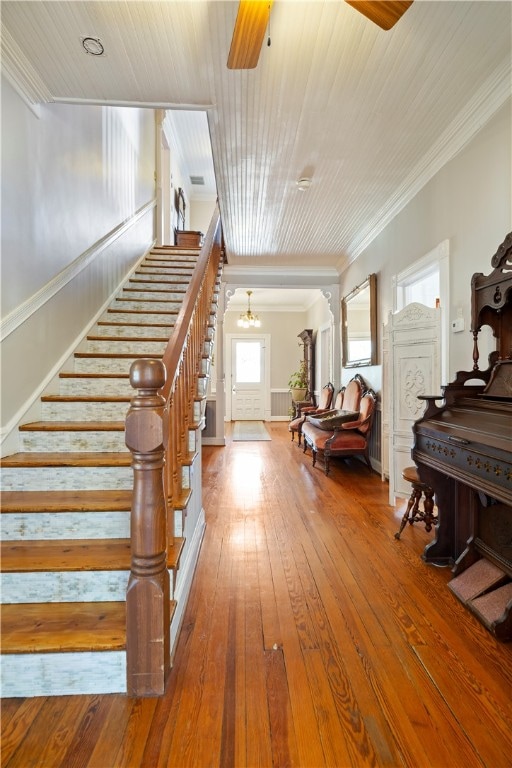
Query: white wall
201,212
69,179
469,202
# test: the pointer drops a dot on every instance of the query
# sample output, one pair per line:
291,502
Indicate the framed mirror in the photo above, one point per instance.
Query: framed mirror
359,325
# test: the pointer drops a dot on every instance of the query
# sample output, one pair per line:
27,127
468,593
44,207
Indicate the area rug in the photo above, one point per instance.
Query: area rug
250,430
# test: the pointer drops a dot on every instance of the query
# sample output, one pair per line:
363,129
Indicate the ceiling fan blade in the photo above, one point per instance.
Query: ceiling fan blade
251,23
385,13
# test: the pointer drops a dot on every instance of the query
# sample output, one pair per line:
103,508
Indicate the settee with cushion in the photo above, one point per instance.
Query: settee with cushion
344,433
324,404
348,399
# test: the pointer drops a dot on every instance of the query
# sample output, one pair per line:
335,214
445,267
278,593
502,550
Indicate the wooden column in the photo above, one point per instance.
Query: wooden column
148,594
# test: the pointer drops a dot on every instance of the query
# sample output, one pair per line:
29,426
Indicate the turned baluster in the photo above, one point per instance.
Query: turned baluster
476,353
148,593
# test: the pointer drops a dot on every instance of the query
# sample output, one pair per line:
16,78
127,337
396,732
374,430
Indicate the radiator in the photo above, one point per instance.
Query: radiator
375,436
210,415
280,404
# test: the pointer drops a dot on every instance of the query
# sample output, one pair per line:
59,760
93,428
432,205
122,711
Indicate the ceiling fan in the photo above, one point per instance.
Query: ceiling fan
253,17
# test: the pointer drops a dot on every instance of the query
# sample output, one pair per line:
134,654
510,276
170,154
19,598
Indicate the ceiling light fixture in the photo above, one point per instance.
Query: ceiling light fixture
304,183
248,319
93,45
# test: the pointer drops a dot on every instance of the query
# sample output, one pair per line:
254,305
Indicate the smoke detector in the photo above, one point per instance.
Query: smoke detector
304,183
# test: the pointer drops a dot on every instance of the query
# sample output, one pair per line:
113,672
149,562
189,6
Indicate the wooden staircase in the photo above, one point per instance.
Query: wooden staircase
67,498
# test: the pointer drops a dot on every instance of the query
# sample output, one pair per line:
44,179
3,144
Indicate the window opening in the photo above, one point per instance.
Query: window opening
422,287
248,362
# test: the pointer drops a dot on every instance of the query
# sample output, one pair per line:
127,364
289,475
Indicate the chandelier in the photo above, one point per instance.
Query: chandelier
248,319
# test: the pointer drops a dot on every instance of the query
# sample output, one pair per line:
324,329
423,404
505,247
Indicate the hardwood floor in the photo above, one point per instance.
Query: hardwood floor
312,638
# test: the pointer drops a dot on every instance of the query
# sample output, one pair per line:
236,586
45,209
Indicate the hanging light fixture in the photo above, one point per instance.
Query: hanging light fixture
248,319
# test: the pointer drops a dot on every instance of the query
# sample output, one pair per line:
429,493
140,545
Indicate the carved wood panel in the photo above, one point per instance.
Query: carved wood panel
412,368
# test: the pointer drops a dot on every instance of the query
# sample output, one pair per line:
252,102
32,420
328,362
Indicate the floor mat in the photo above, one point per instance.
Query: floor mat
250,430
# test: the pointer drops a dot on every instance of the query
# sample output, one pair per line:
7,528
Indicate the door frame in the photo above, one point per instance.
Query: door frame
323,356
265,339
440,257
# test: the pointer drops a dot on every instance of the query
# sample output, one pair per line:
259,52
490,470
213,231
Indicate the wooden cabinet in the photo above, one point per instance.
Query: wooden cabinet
187,238
306,337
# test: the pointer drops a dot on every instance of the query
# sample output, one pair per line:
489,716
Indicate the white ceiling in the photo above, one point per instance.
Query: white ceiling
369,115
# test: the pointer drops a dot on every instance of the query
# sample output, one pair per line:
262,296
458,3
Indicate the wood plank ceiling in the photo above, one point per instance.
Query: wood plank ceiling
368,115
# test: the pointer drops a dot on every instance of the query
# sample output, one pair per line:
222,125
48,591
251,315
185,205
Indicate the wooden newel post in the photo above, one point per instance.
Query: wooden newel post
148,594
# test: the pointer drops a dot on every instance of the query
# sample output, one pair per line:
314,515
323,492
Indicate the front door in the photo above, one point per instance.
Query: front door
247,379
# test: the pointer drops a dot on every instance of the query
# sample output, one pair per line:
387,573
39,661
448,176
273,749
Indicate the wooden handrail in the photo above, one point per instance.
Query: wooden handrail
159,428
174,349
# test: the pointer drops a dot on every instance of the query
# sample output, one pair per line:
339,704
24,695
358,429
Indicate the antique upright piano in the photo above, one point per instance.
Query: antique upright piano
463,450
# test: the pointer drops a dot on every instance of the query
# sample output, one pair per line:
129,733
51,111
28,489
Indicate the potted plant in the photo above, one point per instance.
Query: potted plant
299,383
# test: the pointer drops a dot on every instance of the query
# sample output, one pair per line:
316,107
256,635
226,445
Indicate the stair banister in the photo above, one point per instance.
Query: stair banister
148,593
157,433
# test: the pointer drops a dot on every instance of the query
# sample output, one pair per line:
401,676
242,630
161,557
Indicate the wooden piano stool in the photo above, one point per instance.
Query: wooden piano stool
413,513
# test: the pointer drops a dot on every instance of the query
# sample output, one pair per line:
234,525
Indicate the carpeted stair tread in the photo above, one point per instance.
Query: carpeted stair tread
116,355
128,338
55,555
175,251
117,324
147,300
65,501
180,289
70,459
184,282
136,312
171,268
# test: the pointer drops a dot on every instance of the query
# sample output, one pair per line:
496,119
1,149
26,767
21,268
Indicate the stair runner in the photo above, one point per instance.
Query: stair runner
66,497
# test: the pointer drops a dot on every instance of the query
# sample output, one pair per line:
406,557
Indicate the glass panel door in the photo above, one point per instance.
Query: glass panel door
247,379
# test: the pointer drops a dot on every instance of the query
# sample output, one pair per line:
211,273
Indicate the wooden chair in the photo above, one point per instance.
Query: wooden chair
324,403
348,437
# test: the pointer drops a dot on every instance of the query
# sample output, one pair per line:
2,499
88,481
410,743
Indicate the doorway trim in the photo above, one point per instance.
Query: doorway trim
324,367
265,339
440,256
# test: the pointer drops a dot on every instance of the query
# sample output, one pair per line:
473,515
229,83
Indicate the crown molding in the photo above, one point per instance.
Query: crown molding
131,103
287,275
478,111
21,74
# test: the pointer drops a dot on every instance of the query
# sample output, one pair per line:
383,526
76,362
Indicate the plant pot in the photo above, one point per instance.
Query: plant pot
298,394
